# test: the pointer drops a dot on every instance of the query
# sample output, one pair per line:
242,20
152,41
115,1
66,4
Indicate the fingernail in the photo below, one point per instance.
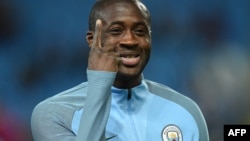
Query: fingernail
98,22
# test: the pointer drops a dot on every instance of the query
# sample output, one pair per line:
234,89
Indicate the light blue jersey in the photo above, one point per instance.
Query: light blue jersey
144,116
97,111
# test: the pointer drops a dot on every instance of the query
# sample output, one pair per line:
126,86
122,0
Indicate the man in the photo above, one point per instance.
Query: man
117,103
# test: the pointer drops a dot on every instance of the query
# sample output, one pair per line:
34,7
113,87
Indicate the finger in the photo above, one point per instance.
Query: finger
113,59
97,41
116,57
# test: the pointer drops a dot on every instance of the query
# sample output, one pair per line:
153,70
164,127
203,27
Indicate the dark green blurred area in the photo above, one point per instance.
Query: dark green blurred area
199,48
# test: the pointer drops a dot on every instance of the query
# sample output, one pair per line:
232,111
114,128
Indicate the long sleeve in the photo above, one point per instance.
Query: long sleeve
51,119
97,106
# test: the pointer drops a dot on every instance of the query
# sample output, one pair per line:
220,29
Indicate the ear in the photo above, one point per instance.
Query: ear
90,37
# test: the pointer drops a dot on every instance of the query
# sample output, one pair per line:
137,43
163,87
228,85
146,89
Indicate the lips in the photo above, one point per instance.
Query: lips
130,59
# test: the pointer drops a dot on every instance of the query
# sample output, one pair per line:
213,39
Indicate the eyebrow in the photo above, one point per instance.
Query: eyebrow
116,23
136,24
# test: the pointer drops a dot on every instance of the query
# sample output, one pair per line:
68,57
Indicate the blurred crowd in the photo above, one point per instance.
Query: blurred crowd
200,48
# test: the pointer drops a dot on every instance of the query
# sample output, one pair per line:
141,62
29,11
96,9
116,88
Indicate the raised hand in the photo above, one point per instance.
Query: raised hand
102,58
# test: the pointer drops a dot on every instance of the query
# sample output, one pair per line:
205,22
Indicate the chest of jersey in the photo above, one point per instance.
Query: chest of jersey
147,117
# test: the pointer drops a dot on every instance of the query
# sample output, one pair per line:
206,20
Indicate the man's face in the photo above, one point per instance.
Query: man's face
126,29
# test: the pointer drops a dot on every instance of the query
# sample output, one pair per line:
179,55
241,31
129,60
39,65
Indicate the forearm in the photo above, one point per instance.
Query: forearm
97,106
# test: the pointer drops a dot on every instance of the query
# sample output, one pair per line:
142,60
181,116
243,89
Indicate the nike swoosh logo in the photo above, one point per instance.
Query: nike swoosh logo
110,137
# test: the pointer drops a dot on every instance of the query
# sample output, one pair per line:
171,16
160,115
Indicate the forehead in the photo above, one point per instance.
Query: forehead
123,10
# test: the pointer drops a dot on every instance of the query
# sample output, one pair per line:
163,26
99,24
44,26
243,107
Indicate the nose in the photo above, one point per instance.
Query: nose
129,40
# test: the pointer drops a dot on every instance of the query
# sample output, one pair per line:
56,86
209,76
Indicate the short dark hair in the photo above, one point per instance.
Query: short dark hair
98,7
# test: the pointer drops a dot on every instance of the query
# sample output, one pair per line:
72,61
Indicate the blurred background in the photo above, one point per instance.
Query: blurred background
200,48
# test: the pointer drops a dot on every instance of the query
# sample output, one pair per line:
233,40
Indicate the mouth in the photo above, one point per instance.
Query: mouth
130,59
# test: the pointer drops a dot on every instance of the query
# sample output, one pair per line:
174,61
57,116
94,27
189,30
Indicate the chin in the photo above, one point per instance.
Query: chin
128,74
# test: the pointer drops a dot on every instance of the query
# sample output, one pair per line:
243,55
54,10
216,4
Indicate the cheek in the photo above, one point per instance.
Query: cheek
109,41
146,46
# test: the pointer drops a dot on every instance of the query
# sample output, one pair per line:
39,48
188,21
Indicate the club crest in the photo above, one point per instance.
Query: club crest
171,133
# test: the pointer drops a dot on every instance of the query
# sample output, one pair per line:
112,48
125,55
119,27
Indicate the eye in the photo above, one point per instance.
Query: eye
115,31
140,32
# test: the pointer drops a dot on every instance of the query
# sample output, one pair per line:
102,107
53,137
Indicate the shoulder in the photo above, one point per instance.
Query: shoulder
170,94
51,118
60,107
68,97
182,100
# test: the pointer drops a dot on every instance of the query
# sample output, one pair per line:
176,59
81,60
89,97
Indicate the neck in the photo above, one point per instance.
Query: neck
127,82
